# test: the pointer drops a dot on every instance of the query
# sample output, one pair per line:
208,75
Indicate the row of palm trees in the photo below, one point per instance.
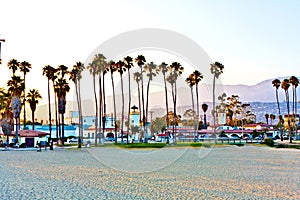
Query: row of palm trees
99,67
10,99
285,85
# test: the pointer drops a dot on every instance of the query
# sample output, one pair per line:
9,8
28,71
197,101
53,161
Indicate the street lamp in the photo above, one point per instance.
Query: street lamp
1,40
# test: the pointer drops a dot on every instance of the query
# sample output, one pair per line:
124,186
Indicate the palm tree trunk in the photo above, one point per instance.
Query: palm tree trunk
122,117
175,112
56,115
193,107
32,118
115,108
96,104
197,118
143,100
147,105
129,102
295,114
50,119
24,101
166,99
280,125
288,110
104,105
63,129
100,108
80,114
77,99
214,109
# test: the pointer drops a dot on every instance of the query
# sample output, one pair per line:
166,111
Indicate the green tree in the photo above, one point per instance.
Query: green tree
13,65
267,118
140,61
294,81
33,97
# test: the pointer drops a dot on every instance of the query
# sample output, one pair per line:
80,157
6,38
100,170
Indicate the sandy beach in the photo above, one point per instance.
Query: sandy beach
247,172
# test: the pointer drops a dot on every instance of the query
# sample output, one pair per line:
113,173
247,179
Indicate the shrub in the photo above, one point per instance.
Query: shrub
269,142
196,144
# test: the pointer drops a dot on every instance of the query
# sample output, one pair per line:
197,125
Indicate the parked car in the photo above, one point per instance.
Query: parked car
73,140
110,139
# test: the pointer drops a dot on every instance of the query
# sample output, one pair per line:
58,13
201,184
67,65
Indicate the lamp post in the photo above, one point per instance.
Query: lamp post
1,40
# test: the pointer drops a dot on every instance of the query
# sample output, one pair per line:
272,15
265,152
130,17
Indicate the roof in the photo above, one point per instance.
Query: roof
29,133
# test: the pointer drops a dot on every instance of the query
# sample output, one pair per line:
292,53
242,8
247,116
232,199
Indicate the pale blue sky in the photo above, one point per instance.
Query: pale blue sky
255,40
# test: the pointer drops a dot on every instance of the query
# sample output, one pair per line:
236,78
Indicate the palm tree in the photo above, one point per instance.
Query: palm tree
204,108
140,61
198,78
176,70
75,76
294,82
137,76
33,97
49,72
93,70
190,80
276,83
16,86
163,68
285,85
13,65
272,117
267,118
113,69
128,64
216,69
25,68
121,69
151,70
62,88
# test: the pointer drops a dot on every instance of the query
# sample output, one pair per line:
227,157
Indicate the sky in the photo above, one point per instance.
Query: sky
255,40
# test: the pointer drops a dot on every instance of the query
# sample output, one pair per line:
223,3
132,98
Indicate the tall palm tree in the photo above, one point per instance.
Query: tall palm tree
140,61
190,80
276,83
216,69
113,69
285,86
13,65
93,70
267,118
294,81
198,78
128,64
163,68
204,108
49,72
75,76
121,69
62,88
176,70
25,68
16,87
137,76
151,71
33,97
